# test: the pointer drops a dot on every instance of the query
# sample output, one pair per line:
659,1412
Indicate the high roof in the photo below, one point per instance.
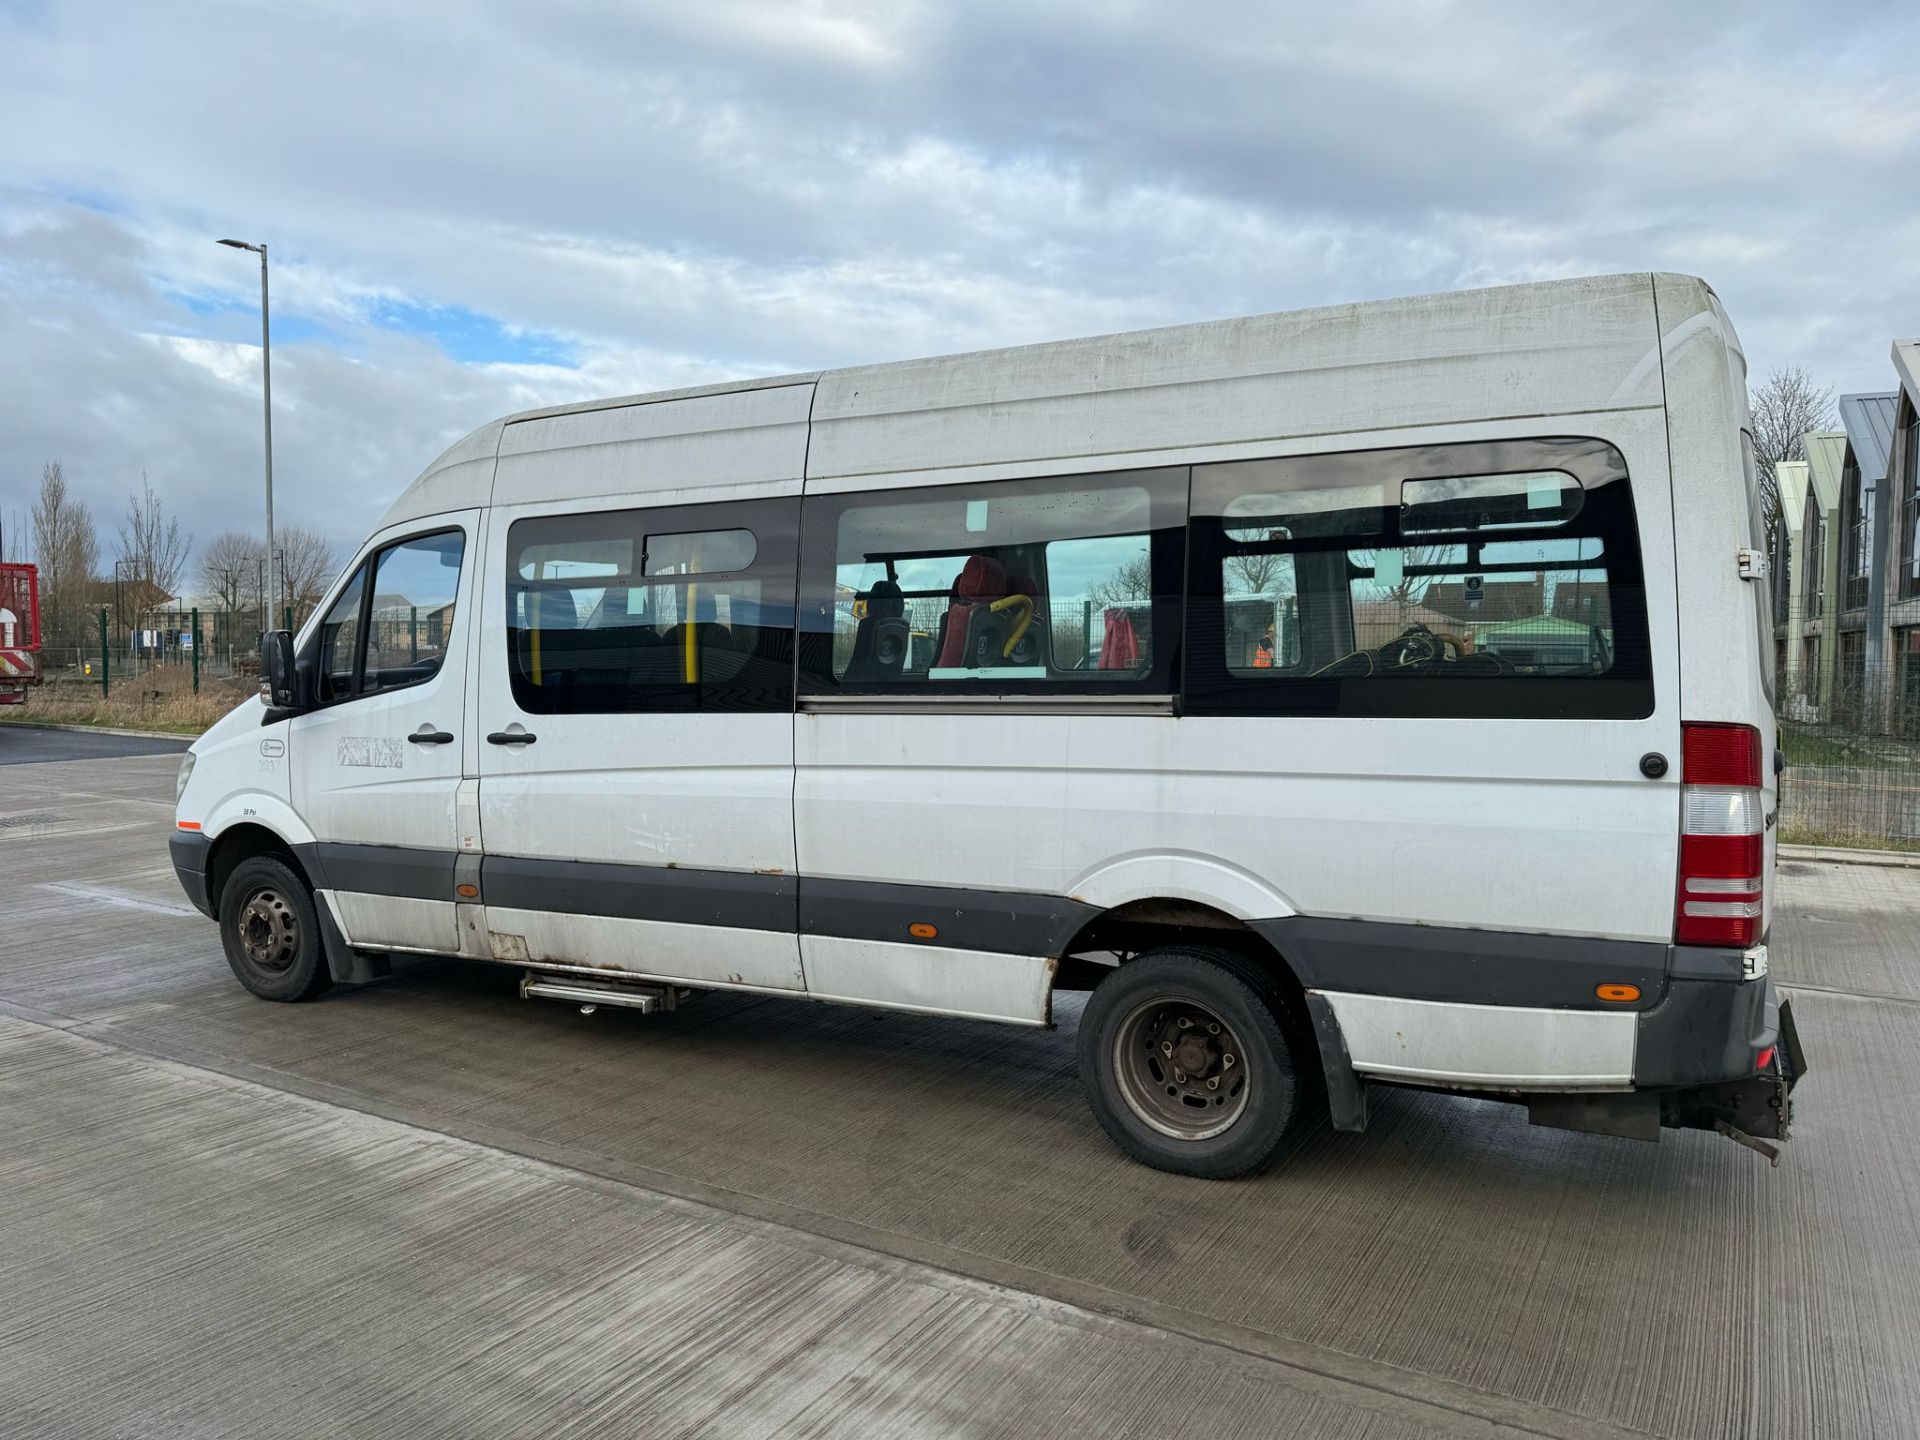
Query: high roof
1826,457
1578,345
1868,421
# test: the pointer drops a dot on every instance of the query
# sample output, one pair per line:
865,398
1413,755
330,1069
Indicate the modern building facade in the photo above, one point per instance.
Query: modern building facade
1814,602
1901,573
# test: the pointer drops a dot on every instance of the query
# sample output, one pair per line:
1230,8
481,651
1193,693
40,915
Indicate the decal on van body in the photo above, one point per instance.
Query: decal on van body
371,752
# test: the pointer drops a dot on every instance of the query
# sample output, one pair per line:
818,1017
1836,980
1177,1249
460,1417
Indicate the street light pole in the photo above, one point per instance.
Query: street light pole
267,590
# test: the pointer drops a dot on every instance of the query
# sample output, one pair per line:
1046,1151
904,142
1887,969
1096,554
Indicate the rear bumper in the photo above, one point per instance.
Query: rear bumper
1705,1031
189,849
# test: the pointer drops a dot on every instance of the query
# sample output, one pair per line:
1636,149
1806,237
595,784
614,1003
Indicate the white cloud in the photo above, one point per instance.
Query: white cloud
681,193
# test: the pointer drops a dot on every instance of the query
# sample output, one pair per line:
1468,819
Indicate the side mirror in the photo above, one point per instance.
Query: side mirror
279,684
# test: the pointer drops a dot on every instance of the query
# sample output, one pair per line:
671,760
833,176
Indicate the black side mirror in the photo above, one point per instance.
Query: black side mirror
279,682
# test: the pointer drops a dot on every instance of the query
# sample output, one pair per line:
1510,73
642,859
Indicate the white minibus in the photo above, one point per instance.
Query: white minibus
1374,695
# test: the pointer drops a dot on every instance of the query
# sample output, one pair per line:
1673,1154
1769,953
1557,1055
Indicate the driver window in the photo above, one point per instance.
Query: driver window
339,632
411,619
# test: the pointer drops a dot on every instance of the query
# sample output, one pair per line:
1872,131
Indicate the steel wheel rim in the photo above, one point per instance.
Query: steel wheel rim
1181,1068
269,930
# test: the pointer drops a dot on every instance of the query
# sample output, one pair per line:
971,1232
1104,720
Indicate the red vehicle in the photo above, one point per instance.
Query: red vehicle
19,632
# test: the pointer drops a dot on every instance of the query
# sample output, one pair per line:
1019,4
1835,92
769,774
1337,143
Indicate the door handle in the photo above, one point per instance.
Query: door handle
424,736
510,737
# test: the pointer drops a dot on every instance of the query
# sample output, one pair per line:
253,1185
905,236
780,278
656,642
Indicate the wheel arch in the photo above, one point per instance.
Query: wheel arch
1154,921
242,842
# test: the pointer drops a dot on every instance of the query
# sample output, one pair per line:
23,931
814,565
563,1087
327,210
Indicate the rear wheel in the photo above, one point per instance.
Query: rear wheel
1188,1063
271,931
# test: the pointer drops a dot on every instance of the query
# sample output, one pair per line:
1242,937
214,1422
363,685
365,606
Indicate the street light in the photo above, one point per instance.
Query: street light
266,410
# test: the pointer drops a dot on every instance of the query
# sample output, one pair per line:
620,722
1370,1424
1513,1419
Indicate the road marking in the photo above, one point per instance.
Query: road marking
114,897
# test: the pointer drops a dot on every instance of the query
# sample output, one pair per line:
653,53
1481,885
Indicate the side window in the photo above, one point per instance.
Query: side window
1067,585
414,586
1492,579
339,636
625,611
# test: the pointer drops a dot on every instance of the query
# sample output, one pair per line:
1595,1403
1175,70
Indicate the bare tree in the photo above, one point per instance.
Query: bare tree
68,553
1784,409
227,568
306,565
1131,584
152,546
1259,573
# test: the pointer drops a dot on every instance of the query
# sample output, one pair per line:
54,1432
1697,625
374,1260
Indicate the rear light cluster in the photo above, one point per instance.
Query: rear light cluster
1722,892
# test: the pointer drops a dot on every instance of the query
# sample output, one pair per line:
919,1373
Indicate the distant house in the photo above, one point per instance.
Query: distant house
1868,421
1486,604
1790,478
1819,569
1901,644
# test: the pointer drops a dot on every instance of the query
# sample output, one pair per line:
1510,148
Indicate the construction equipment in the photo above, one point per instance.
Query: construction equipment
19,632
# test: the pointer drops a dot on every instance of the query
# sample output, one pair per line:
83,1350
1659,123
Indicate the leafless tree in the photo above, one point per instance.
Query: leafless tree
1784,409
1259,574
67,552
152,545
1131,584
228,564
306,565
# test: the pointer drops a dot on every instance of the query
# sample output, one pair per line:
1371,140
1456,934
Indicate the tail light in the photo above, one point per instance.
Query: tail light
1721,898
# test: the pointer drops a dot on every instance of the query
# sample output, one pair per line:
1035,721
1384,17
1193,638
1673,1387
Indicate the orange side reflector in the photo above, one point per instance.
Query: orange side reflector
467,892
187,824
1620,993
920,930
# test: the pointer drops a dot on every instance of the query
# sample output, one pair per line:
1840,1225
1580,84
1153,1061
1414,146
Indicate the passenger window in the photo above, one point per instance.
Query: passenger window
618,612
1497,579
1066,584
414,587
339,634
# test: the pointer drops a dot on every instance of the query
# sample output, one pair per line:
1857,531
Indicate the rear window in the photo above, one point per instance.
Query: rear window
1492,579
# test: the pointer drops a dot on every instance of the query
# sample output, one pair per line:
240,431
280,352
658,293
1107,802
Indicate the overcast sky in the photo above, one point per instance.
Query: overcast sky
480,207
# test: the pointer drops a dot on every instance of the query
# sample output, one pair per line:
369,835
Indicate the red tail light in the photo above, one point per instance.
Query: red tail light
1721,899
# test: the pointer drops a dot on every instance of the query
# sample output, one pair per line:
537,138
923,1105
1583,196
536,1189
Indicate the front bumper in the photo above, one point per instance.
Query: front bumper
189,850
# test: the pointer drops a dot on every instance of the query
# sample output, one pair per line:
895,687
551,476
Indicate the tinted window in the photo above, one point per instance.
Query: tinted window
688,608
415,583
1490,579
1066,585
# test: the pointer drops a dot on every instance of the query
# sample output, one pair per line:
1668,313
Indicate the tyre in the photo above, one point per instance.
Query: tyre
271,931
1190,1063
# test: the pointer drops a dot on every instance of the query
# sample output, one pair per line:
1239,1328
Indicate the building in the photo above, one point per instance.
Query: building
1901,545
1859,638
1816,600
1790,480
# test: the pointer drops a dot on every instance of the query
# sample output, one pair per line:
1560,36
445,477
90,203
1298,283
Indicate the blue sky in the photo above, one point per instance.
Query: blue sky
475,207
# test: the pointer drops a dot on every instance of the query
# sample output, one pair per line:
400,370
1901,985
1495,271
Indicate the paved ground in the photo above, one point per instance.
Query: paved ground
25,744
430,1207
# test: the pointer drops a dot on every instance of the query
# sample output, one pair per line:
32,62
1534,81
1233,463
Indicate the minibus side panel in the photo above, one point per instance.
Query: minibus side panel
647,824
1512,842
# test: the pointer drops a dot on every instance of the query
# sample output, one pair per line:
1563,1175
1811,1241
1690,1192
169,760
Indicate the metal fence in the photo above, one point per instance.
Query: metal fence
1852,740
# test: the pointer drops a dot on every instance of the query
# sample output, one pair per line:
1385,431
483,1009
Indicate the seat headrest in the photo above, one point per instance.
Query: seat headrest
884,601
983,578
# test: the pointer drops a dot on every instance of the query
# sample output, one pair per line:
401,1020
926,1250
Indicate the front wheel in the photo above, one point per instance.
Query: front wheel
1187,1062
271,931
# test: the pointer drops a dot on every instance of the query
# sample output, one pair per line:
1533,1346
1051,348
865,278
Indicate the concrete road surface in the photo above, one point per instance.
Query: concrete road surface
430,1208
